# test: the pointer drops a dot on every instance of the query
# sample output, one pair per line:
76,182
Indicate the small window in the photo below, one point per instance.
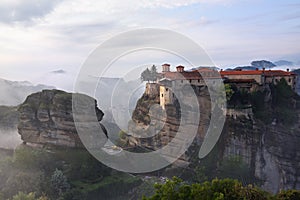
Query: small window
167,89
162,95
190,81
198,80
290,80
181,81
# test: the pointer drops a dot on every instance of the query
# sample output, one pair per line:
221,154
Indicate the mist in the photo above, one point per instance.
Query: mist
9,139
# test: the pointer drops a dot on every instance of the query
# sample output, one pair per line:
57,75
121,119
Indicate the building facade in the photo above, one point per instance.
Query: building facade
249,80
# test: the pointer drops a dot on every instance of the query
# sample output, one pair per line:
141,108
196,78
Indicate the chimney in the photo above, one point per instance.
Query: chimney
263,69
256,69
287,69
180,68
221,70
166,67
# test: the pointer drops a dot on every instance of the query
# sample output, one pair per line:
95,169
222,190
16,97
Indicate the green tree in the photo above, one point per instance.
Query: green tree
146,75
229,91
153,73
149,75
225,189
288,195
59,182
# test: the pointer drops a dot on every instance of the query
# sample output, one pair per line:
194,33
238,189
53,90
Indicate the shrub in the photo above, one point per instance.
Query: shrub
226,189
288,195
29,196
59,183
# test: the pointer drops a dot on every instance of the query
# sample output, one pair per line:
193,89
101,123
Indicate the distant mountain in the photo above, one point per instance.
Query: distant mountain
297,71
207,67
15,92
245,68
257,64
262,64
284,63
60,71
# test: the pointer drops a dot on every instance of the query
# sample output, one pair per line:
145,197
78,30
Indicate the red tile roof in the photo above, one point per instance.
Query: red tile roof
258,72
182,75
239,81
210,74
278,73
237,72
191,75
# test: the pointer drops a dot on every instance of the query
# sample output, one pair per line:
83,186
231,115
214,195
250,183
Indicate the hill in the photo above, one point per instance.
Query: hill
15,92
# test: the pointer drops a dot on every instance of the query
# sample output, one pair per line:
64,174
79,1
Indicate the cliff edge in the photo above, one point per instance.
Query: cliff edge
46,119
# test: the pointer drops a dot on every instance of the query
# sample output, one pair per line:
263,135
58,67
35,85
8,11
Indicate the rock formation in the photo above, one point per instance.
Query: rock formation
46,119
269,149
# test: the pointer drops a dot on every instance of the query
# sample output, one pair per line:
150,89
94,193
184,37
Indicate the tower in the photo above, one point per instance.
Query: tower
165,67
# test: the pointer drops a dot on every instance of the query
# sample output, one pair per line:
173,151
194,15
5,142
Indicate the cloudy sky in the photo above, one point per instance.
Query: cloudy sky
40,36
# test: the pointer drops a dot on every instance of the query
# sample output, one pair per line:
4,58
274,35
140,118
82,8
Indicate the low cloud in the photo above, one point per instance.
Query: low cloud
9,139
25,11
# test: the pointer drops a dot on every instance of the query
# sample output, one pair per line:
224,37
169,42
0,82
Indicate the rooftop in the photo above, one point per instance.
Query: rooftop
258,72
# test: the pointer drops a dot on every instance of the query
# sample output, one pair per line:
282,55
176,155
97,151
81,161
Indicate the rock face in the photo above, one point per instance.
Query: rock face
174,126
270,150
46,119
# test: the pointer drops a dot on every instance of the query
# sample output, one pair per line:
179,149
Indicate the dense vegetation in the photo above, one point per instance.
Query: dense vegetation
225,189
149,75
59,174
8,117
276,104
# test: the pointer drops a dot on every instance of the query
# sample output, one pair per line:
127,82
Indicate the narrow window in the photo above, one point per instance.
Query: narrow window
162,95
167,89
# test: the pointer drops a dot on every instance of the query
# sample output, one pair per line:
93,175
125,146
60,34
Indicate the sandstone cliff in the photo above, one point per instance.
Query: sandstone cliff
271,151
46,119
267,146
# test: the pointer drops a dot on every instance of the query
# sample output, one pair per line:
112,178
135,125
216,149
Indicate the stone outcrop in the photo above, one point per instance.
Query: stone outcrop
153,127
46,118
270,150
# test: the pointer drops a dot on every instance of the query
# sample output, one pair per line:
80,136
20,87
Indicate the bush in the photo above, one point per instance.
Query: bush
30,158
288,195
30,196
226,189
59,183
22,181
23,196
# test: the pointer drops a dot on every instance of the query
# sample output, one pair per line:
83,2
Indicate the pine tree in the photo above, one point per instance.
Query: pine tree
59,182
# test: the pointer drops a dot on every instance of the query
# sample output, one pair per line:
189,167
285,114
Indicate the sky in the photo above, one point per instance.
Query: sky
44,38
